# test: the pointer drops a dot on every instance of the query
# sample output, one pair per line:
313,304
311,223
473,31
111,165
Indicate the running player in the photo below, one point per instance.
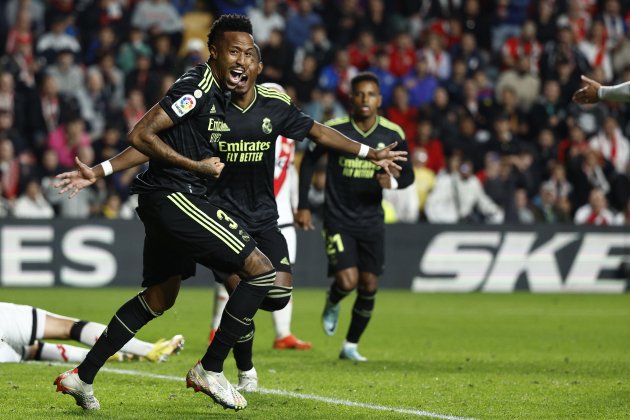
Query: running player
353,216
22,329
182,228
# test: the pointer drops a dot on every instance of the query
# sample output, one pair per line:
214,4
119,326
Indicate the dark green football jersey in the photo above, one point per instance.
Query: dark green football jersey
245,188
353,194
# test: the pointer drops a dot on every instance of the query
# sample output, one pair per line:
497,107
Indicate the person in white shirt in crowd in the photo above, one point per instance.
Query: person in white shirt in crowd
612,144
596,212
32,204
458,196
265,19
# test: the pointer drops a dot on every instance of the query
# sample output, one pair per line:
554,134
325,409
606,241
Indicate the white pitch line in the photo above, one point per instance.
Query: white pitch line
311,397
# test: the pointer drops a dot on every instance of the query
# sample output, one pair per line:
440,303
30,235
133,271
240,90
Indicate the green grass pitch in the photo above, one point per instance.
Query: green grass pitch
483,356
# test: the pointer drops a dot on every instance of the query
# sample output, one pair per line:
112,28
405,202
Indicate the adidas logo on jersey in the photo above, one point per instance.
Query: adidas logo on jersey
213,110
285,261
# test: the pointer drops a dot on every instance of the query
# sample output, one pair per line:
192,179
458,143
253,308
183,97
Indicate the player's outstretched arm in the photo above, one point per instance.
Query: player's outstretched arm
594,92
144,137
331,138
84,176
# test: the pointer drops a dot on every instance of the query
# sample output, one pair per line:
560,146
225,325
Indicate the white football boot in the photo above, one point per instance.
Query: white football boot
216,386
70,383
247,380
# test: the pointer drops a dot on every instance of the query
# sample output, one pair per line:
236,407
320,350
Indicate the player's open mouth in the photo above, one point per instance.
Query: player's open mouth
237,76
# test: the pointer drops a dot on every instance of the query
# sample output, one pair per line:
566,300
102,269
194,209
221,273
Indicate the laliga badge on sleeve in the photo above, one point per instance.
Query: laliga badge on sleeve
184,105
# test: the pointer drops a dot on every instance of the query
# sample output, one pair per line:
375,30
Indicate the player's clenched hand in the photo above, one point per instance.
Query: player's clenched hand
303,219
211,166
588,94
386,157
75,181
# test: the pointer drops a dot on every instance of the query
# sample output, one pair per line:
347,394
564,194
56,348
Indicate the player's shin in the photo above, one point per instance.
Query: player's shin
243,350
237,318
361,314
132,316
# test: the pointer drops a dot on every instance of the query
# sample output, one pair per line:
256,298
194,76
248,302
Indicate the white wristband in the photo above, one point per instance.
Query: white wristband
107,168
363,151
393,183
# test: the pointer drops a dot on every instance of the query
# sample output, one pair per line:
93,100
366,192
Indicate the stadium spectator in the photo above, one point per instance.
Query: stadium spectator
318,45
114,80
67,139
585,172
25,328
523,45
134,108
143,79
623,217
562,50
501,187
620,190
163,60
105,42
523,81
158,17
57,40
402,55
517,119
442,115
427,138
94,102
265,19
468,53
134,46
6,209
524,209
277,58
324,106
305,81
402,113
13,172
466,141
548,111
458,197
195,53
595,49
478,22
437,57
376,22
23,149
31,204
596,211
612,145
615,25
503,140
420,83
300,22
336,76
424,178
363,50
69,75
386,79
545,19
343,19
546,153
548,210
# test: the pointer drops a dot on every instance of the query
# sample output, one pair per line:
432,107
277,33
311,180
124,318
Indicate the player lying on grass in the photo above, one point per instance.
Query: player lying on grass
22,329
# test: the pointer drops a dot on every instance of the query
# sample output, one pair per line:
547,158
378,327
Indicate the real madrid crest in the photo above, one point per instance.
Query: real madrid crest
266,126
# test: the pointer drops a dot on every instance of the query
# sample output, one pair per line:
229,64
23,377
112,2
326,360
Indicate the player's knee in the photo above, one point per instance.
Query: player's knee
277,298
272,304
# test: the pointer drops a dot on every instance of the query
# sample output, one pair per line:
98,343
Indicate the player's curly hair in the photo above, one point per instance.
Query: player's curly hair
228,23
365,76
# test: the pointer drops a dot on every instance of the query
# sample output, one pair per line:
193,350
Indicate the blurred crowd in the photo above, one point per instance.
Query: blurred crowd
481,88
